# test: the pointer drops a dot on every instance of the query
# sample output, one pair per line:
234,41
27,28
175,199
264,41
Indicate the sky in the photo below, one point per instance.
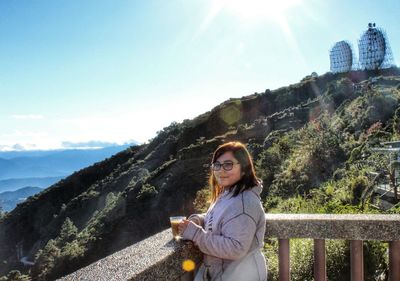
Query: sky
119,71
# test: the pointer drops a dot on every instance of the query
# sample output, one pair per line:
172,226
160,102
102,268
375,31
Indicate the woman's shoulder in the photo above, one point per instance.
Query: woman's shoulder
248,199
246,203
252,194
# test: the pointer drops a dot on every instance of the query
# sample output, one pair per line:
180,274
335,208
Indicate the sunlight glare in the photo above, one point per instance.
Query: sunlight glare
271,10
259,9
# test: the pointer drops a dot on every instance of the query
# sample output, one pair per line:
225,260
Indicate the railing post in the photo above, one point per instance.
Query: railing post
356,260
284,261
319,260
394,260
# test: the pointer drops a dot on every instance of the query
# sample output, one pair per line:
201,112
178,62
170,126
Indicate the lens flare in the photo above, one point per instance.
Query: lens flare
231,114
188,265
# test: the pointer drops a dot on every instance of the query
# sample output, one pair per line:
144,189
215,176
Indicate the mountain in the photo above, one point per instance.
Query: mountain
10,199
59,163
14,184
308,140
17,150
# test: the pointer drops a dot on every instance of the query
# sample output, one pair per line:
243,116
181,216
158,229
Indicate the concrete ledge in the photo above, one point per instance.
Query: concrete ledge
327,226
155,258
160,258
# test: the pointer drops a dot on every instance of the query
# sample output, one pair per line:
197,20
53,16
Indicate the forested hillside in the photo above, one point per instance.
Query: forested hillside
311,143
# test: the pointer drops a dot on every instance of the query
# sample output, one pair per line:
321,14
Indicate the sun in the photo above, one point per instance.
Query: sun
258,9
256,12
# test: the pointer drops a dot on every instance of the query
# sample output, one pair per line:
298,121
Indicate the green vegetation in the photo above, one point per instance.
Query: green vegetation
2,213
58,254
15,275
312,145
327,166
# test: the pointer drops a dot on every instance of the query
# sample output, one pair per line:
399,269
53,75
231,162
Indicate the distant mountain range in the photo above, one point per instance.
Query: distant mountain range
10,199
43,168
14,184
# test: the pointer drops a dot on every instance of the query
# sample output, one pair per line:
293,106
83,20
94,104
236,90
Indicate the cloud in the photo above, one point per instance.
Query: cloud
88,144
27,116
65,145
18,147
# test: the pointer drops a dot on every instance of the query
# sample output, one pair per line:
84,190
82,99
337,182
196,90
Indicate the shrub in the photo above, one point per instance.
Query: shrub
358,185
301,259
302,263
15,275
147,192
202,200
337,259
46,260
314,158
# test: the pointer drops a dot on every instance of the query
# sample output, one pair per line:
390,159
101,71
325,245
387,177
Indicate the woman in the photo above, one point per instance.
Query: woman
231,233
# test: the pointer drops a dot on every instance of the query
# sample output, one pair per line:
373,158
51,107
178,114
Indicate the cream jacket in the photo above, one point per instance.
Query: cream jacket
231,236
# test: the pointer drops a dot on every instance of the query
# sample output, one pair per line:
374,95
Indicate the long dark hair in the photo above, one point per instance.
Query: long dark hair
247,181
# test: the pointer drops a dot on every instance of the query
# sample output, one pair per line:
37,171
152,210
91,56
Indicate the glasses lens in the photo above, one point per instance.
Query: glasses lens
216,166
228,166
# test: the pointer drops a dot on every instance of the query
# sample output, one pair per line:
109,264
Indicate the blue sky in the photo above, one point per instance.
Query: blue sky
115,71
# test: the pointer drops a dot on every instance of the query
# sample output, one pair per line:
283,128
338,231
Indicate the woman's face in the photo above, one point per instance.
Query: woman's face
230,177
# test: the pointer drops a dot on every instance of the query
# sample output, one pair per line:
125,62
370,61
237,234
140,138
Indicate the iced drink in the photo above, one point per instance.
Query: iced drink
175,221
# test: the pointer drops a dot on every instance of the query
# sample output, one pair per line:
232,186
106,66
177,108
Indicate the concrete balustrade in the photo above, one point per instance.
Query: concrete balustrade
319,227
160,258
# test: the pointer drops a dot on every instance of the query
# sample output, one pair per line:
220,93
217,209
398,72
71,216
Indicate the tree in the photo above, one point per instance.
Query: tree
46,260
1,211
396,122
58,255
15,275
68,232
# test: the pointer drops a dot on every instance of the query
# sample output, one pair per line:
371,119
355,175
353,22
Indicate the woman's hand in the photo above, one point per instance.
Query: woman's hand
182,226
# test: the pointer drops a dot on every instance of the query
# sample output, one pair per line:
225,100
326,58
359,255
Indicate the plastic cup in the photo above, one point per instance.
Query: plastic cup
175,221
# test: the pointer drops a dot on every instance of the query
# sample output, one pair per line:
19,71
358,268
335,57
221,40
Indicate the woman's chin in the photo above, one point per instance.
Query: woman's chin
224,185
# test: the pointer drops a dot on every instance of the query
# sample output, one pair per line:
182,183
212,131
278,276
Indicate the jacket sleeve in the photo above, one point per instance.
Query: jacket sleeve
197,218
234,242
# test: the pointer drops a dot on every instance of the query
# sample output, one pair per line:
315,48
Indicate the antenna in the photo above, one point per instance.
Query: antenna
374,49
342,57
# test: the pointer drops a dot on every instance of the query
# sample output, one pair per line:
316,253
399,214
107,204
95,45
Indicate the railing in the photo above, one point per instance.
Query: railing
355,228
160,258
155,258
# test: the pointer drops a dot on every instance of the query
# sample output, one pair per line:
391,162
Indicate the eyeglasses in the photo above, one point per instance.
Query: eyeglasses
227,165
